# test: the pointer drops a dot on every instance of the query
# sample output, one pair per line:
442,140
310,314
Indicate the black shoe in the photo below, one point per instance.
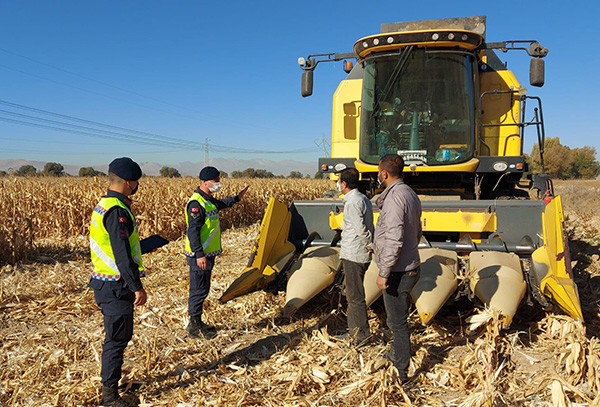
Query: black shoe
198,329
208,331
111,398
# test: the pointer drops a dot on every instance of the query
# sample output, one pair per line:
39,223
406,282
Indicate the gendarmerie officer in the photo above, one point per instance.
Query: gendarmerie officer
117,258
203,244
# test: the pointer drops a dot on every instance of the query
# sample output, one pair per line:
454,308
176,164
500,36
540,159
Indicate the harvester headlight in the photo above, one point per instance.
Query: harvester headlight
390,40
464,37
451,36
500,166
435,37
340,167
301,61
365,44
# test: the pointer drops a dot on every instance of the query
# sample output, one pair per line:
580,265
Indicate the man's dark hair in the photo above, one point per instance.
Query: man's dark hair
392,163
350,177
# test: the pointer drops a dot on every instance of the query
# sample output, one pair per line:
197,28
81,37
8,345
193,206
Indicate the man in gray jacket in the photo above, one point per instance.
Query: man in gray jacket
355,252
396,242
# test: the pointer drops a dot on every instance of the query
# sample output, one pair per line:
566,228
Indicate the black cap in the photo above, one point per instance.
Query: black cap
125,168
209,173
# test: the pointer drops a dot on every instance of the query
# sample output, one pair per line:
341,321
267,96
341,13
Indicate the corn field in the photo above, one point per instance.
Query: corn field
33,209
51,331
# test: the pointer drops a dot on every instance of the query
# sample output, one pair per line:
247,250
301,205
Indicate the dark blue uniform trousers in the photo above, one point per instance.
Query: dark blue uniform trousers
199,285
116,302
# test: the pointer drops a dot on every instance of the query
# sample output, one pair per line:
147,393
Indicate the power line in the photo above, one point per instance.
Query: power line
219,119
117,133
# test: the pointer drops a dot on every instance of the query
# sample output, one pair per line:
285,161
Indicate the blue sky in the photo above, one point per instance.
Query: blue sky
180,72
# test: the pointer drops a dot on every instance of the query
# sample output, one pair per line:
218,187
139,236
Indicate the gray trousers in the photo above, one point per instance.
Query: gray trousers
358,324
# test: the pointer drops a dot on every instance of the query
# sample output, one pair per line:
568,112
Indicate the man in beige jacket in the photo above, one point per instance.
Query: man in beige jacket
396,242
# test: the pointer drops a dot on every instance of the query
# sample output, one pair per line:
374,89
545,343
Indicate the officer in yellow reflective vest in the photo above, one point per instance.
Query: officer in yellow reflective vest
203,244
117,258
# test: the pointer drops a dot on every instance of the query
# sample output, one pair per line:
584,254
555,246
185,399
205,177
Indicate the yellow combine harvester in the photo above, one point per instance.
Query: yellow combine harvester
436,93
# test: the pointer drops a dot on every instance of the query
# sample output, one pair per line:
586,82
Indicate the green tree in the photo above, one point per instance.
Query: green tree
53,170
564,163
26,171
263,174
169,172
223,174
89,172
320,175
558,161
584,163
249,173
236,174
3,173
295,174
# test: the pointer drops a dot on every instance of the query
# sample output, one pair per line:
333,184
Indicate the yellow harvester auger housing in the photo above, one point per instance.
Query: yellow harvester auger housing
436,93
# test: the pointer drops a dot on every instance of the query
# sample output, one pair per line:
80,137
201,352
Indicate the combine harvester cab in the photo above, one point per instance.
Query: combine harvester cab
436,93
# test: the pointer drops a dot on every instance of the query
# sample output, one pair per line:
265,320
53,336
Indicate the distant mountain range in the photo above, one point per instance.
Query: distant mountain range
228,165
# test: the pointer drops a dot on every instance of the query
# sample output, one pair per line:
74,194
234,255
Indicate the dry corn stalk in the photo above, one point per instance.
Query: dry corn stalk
48,207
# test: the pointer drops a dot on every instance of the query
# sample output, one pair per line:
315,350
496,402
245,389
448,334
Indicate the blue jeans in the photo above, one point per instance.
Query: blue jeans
396,299
199,285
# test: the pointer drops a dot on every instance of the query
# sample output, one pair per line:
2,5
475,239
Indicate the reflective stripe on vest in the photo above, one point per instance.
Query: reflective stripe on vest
210,233
105,266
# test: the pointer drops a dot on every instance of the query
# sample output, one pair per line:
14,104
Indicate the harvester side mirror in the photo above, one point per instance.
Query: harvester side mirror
536,72
307,83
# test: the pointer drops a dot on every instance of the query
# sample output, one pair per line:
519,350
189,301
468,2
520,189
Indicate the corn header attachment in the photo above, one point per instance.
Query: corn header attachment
519,252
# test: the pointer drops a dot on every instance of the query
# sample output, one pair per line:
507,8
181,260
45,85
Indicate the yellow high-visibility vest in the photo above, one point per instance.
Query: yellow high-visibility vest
210,233
103,258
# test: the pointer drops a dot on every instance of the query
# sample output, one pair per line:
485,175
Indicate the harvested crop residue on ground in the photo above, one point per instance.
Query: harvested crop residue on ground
51,334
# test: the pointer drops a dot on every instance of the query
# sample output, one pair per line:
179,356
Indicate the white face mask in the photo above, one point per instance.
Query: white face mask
379,180
339,187
215,187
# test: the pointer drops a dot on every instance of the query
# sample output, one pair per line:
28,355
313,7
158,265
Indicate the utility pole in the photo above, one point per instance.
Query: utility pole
323,142
206,160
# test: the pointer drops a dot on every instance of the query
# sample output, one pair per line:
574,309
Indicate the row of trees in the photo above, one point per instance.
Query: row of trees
560,162
57,170
247,173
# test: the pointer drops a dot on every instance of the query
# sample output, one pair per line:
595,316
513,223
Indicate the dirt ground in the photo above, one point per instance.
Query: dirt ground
51,337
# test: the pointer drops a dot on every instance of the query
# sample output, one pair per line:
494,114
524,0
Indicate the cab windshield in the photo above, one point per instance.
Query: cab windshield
419,104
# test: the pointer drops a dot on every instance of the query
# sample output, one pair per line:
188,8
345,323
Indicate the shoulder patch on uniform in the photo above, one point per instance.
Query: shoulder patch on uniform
122,219
195,209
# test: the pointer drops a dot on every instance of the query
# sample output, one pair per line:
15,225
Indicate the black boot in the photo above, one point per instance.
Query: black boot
197,329
111,398
208,331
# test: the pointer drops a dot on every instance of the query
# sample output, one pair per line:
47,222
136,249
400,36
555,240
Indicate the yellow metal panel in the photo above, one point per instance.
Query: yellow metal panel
345,137
558,283
456,221
469,166
501,108
459,221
